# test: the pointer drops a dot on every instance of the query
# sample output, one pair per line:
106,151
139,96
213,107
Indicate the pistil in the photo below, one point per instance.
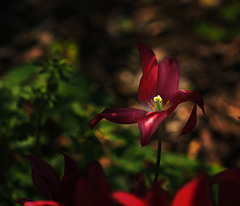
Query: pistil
158,101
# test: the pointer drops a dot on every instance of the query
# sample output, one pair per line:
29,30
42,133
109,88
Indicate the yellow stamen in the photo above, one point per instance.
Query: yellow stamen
152,108
153,104
166,105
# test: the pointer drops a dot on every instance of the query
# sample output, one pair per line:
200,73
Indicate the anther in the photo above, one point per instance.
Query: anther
153,104
152,108
166,105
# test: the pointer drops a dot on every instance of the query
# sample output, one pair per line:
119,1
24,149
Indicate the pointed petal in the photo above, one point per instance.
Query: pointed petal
194,193
147,86
71,171
119,115
92,188
127,199
149,124
68,181
168,78
44,177
183,96
192,121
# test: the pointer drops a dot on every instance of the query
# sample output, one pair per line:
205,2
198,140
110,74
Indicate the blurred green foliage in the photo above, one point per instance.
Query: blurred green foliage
46,108
224,26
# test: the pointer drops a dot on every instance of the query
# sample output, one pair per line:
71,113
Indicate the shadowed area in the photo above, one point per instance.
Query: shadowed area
98,38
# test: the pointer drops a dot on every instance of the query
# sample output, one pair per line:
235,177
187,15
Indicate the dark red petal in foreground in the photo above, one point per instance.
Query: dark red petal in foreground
168,78
92,188
127,199
119,115
229,194
44,177
192,121
148,82
194,193
71,171
68,182
141,188
183,96
157,196
229,189
149,124
232,174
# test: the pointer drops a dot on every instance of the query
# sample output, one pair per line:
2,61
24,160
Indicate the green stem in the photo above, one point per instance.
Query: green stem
158,152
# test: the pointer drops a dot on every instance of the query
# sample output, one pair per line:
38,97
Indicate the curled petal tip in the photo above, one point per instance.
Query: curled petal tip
95,120
191,123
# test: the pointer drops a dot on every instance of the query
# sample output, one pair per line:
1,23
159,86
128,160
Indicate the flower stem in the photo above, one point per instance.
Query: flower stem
158,152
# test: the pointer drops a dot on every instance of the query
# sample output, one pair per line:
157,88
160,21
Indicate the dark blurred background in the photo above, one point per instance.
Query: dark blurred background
203,35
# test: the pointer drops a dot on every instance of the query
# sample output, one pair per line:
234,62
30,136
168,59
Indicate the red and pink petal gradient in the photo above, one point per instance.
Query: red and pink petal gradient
157,79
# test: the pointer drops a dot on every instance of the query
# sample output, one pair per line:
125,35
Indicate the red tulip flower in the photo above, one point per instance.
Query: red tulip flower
194,193
158,92
73,189
143,196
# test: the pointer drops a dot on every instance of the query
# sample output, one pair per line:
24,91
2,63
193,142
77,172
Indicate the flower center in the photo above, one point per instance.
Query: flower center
156,104
158,101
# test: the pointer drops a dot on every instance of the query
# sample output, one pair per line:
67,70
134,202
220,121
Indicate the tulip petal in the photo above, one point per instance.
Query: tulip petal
194,193
71,171
183,96
232,174
92,188
141,188
68,181
149,124
157,196
119,115
148,82
229,193
127,199
192,121
41,203
44,177
168,78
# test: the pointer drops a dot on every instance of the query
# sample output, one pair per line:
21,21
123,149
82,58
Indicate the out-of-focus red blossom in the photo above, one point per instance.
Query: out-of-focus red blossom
73,189
157,80
142,196
41,203
229,187
194,193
